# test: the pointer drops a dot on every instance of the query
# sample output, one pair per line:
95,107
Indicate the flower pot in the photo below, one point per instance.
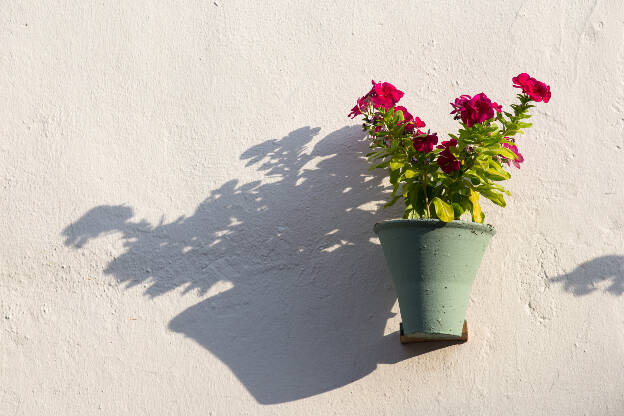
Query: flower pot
433,265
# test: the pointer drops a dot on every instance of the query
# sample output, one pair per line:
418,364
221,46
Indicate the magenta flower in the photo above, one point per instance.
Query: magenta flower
447,143
446,160
475,109
361,106
459,104
447,172
537,90
519,159
497,107
382,94
424,142
410,121
415,123
385,94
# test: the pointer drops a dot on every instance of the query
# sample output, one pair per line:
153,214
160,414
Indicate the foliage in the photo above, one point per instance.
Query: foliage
447,180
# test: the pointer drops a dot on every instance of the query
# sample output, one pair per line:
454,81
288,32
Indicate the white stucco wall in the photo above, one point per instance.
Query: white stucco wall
186,219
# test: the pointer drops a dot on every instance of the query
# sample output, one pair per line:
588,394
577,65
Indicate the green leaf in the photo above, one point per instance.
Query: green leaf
476,208
416,197
397,130
381,156
443,210
493,196
503,151
394,177
399,114
496,173
387,116
411,214
458,209
380,165
465,203
395,187
410,173
396,165
392,201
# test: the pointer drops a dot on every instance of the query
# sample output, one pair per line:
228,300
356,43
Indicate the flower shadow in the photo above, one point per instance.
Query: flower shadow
298,291
587,277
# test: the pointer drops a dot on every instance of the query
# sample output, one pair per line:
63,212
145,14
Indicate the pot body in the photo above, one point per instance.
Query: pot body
433,266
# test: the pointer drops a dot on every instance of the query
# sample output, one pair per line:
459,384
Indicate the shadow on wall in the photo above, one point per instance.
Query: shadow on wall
584,279
309,293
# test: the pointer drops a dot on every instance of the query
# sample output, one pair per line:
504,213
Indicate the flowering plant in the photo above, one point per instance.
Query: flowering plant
445,180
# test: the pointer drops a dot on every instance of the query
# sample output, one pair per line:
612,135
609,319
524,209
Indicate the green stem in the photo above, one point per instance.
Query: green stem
424,185
525,103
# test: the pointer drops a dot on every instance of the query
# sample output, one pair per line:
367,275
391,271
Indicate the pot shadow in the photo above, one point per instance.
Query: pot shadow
584,279
299,293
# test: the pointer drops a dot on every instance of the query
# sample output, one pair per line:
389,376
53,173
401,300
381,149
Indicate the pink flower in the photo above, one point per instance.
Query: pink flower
424,142
478,110
497,107
474,110
361,106
519,159
385,94
416,123
382,94
537,90
459,104
410,121
447,143
446,160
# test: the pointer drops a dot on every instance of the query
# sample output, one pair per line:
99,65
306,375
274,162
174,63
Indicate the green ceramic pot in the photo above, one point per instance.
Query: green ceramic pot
433,265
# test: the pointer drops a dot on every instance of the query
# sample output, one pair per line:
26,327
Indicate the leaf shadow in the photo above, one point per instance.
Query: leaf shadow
298,294
589,276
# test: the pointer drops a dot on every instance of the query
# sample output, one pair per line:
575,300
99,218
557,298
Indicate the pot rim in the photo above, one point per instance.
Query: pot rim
433,223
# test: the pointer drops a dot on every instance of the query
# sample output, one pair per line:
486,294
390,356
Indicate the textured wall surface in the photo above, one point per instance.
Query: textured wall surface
187,218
